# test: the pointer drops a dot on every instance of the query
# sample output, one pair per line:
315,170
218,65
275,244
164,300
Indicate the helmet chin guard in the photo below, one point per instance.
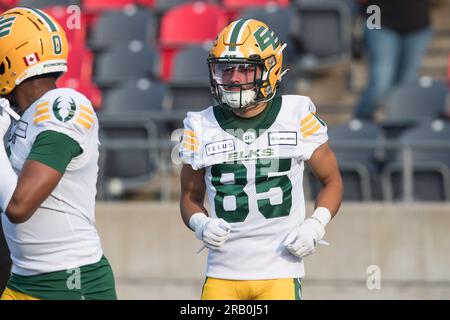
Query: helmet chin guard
238,99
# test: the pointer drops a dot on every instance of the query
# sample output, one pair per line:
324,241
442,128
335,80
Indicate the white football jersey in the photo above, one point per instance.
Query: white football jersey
254,181
61,234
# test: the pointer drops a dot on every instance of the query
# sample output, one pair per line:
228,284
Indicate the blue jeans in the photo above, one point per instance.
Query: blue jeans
394,58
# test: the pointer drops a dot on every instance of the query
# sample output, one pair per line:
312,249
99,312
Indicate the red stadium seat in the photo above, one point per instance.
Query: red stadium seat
101,5
190,23
146,3
239,4
7,4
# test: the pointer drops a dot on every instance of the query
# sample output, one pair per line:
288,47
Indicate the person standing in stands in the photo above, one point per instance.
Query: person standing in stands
395,50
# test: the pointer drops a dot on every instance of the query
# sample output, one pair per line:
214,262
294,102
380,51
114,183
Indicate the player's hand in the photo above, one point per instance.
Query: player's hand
213,232
302,241
5,119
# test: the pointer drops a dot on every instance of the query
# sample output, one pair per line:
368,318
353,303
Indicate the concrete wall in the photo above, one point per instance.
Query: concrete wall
154,255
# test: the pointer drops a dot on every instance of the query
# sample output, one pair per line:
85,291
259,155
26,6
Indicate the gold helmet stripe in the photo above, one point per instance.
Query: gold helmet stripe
51,26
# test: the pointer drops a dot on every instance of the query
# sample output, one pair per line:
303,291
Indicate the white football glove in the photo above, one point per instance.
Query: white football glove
302,241
213,232
5,119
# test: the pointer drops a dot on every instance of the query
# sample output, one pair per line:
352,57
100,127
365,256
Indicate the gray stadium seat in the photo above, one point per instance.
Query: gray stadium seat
324,31
123,26
130,155
160,6
416,101
410,103
189,84
357,146
126,62
430,155
138,97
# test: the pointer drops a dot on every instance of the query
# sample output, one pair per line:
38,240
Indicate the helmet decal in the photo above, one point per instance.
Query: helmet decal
6,26
266,38
32,43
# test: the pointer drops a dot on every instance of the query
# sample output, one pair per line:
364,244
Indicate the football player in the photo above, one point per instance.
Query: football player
247,154
48,168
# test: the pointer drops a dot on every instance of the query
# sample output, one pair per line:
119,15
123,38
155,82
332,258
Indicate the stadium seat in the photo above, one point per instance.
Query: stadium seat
124,62
187,24
122,26
138,97
6,4
103,5
429,152
47,3
324,32
161,6
410,103
142,99
357,146
189,84
240,5
416,101
129,154
191,23
128,159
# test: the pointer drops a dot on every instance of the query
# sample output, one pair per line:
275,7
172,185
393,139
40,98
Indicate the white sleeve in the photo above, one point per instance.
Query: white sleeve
313,130
71,114
190,143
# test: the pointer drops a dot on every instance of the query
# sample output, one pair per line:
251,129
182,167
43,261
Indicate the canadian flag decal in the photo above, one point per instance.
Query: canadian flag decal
31,59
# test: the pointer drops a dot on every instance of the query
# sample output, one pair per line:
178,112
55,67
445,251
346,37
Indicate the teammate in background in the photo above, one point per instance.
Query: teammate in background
48,169
248,154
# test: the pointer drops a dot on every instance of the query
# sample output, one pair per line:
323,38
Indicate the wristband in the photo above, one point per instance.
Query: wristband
322,215
196,223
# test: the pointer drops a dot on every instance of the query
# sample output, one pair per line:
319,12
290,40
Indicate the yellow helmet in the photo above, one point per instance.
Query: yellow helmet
31,43
250,46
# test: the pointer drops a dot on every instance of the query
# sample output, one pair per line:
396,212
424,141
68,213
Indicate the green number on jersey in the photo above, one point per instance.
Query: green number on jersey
264,183
231,179
233,188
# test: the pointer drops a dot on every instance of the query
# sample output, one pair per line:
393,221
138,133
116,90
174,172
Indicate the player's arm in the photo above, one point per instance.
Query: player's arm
324,165
192,192
34,185
302,240
213,232
48,159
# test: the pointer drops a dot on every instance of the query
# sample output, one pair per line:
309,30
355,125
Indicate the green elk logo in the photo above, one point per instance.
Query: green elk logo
66,111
